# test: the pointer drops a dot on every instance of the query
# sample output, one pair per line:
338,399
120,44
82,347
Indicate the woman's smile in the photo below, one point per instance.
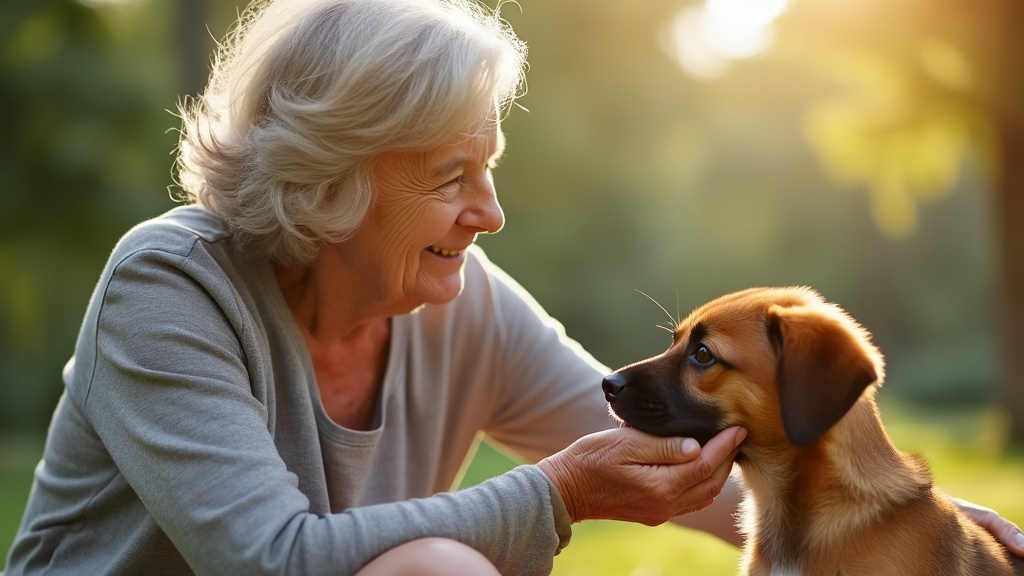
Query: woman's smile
446,252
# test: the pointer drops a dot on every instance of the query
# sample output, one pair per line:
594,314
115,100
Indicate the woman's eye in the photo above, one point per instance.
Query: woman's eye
702,357
457,181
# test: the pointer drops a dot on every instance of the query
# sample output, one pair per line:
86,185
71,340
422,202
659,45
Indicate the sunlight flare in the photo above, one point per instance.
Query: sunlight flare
704,38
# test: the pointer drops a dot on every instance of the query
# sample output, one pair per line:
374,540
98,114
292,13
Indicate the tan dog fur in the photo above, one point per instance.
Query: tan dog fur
827,491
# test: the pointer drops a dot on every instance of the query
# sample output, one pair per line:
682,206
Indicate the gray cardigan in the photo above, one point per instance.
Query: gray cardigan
190,437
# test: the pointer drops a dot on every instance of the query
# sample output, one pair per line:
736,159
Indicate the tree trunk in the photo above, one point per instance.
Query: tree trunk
194,44
1008,54
1009,207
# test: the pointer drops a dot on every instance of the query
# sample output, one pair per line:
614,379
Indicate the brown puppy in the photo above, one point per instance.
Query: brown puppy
827,492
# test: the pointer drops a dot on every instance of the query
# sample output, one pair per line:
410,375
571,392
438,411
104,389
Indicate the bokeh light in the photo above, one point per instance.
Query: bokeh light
704,38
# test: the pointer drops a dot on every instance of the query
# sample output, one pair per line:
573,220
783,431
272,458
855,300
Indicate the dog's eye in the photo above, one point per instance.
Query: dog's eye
702,357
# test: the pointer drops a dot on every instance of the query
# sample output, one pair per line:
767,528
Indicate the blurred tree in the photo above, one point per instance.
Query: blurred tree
84,156
1006,102
625,175
932,86
194,44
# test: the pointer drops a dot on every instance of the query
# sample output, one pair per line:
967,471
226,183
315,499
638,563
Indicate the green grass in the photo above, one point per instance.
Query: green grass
18,457
966,448
600,548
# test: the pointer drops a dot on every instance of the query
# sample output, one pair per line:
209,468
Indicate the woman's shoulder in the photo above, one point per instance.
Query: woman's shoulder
187,243
176,231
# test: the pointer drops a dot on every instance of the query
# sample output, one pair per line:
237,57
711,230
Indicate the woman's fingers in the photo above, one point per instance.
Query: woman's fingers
705,492
625,474
720,450
1006,532
705,479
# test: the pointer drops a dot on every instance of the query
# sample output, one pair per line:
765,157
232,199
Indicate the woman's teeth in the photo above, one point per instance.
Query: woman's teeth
443,252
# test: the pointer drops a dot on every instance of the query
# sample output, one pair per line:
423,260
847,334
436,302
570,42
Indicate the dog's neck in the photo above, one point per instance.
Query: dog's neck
853,472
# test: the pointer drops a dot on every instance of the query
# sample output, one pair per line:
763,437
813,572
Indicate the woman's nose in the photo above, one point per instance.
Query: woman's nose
483,212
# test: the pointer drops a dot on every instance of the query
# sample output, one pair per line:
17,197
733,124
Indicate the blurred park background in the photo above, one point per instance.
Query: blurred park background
683,148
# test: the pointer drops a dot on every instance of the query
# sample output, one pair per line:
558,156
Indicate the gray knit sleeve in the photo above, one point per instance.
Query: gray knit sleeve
517,520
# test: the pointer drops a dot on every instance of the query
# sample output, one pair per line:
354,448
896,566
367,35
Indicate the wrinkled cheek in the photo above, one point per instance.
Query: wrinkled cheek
389,264
399,237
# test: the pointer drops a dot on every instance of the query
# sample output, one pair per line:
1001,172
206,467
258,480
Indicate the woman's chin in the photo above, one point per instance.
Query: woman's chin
440,299
443,292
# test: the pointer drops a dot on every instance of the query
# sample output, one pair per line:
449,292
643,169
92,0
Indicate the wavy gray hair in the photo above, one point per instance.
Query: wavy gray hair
304,94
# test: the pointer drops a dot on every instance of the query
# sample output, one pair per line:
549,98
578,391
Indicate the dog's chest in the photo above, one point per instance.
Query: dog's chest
752,568
786,571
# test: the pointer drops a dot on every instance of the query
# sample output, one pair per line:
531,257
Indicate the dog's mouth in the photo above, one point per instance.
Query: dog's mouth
622,423
662,420
653,400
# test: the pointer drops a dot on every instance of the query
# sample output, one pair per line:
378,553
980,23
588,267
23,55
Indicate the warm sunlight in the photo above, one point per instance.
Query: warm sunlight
704,38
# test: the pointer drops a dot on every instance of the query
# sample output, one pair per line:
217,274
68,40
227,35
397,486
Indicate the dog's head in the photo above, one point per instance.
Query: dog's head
777,361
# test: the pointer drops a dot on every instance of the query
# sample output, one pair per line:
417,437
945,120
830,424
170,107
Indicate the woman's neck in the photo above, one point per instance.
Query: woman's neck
347,342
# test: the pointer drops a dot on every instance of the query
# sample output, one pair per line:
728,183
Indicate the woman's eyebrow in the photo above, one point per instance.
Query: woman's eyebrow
449,166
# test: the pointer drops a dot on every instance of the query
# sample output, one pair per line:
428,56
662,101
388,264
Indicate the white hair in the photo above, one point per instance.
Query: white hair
304,94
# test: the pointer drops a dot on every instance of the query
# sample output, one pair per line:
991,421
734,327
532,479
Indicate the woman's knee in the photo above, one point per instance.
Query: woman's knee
430,557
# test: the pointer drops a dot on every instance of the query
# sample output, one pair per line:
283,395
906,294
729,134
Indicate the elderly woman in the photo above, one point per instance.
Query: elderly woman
286,375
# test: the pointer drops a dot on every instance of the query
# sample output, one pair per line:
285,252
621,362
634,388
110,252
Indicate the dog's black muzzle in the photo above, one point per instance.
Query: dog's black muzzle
653,398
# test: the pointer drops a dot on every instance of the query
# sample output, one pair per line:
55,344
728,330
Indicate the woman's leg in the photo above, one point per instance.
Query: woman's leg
430,557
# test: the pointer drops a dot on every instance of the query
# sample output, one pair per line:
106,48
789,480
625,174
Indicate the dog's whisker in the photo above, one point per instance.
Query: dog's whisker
658,304
666,328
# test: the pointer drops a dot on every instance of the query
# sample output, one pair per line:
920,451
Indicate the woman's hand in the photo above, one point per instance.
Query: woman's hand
1006,532
625,474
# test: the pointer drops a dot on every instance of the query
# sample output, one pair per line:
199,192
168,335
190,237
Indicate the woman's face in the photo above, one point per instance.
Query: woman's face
429,208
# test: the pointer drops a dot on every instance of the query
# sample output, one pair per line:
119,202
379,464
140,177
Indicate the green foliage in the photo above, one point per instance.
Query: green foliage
625,175
85,157
628,175
909,103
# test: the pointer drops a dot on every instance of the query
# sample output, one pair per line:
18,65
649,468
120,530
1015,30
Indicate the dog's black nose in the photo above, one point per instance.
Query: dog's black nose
612,385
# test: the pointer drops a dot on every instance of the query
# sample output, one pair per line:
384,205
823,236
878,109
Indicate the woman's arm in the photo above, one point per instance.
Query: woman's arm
170,392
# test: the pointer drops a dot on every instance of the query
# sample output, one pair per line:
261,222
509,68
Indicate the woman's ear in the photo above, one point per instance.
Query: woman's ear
825,361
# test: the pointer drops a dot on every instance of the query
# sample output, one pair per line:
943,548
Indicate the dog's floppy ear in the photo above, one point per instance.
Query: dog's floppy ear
825,361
